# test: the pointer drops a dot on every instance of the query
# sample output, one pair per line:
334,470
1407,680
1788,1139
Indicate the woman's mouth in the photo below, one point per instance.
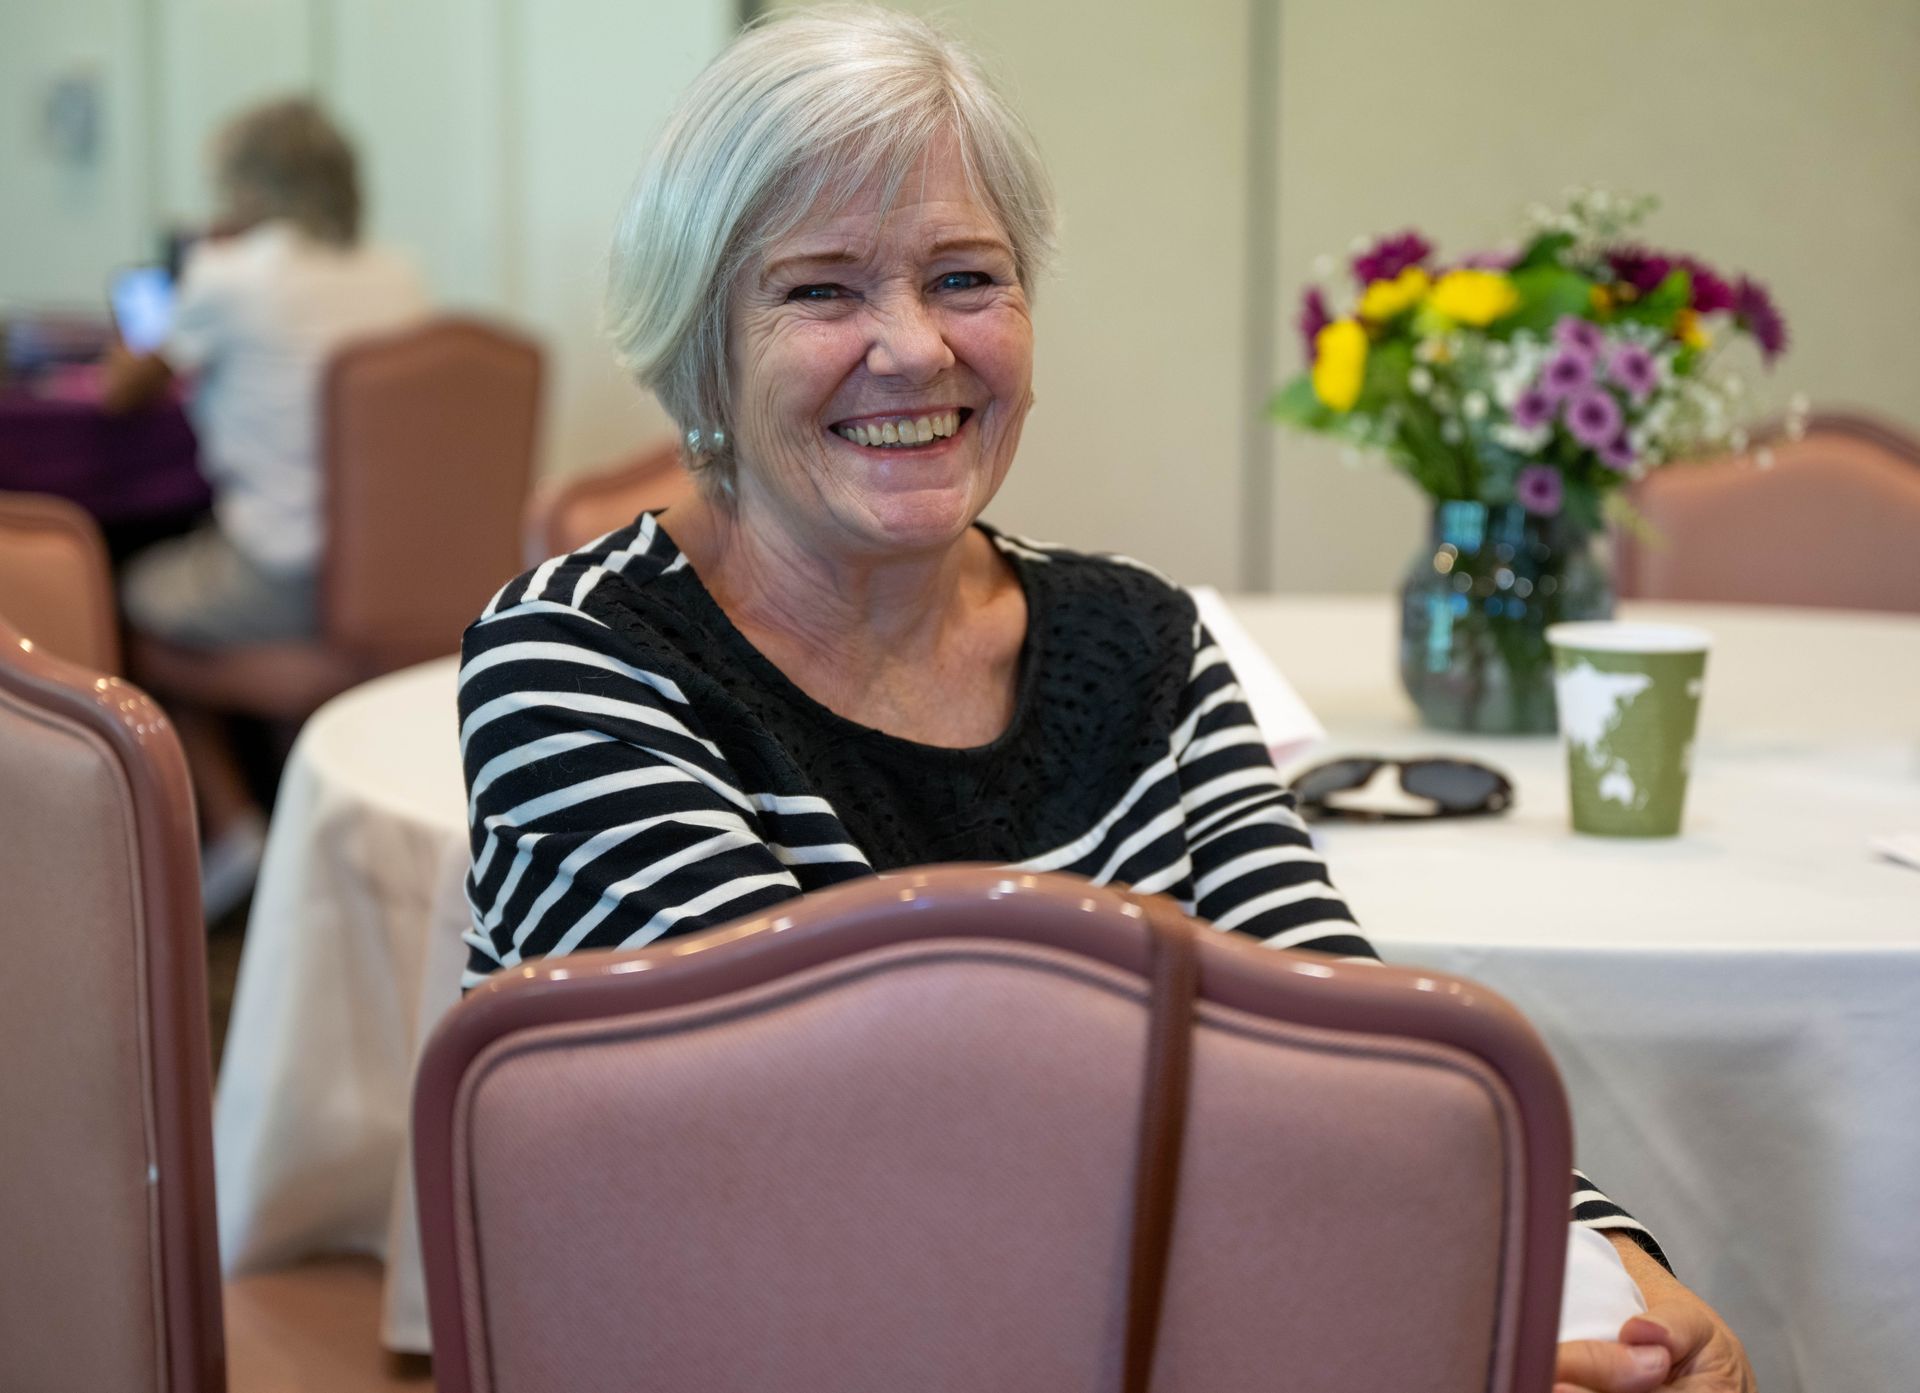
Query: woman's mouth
904,432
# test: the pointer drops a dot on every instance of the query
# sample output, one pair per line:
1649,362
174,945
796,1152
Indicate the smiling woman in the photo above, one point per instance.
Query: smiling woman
825,666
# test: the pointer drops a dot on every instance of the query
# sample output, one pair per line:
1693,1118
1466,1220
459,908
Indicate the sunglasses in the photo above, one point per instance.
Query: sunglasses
1454,788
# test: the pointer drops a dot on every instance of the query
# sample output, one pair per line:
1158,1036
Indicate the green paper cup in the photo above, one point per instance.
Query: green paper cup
1629,699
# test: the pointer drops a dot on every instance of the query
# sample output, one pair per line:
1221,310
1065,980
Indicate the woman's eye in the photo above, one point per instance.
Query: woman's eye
816,292
963,280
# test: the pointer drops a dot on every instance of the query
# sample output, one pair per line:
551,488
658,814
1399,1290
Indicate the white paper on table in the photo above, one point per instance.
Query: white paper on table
1282,716
1599,1296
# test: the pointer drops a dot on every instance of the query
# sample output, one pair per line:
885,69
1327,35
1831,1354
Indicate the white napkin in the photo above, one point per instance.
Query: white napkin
1282,717
1599,1297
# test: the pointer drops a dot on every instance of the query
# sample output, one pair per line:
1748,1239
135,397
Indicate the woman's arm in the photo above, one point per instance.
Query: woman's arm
1680,1344
131,380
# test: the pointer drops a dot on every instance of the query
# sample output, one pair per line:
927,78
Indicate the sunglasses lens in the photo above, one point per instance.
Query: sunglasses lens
1315,784
1455,786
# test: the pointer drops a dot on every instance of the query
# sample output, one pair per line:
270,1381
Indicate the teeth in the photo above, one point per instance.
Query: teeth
904,430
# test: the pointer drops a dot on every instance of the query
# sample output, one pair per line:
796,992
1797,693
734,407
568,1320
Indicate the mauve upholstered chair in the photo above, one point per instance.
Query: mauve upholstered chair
567,513
109,1270
55,584
427,442
1833,523
963,1129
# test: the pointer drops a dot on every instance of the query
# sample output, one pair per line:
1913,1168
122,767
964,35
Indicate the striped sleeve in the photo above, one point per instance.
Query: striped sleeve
1254,867
1593,1210
599,815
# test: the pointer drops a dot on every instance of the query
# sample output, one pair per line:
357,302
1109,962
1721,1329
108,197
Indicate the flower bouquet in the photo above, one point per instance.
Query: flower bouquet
1521,390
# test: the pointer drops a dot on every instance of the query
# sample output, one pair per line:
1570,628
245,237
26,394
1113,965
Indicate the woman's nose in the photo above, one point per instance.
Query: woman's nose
908,343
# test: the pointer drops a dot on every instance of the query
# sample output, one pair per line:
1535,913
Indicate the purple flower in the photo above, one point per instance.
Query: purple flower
1617,454
1755,310
1389,256
1594,417
1533,410
1711,294
1313,318
1568,371
1539,490
1579,335
1640,268
1633,368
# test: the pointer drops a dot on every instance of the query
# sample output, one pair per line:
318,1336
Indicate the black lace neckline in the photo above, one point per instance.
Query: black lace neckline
1027,681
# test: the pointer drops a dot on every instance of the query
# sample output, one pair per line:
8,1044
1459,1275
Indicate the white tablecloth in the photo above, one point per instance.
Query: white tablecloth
1736,1012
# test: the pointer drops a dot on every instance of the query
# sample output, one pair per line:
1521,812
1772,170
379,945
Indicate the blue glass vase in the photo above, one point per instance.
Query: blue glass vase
1474,610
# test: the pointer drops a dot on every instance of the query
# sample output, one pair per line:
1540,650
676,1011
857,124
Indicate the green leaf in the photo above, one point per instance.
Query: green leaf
1659,307
1388,365
1296,405
1543,250
1546,293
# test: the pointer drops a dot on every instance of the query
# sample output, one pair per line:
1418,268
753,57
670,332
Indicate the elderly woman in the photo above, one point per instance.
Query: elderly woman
826,666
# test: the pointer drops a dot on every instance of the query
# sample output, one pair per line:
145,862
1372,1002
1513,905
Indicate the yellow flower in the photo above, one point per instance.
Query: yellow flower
1474,297
1686,328
1382,300
1601,299
1339,363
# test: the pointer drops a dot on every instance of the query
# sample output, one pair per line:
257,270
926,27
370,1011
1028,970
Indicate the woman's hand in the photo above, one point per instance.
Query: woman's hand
1680,1344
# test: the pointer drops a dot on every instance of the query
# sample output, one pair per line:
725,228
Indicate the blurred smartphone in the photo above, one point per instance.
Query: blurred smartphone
142,300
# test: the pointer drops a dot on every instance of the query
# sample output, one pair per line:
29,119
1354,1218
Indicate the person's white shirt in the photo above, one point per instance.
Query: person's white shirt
256,319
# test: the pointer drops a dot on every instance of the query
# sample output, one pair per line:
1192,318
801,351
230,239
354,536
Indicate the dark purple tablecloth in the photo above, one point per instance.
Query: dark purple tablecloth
125,470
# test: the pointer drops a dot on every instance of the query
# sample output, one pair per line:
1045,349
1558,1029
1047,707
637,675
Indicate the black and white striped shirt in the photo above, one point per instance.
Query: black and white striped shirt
636,768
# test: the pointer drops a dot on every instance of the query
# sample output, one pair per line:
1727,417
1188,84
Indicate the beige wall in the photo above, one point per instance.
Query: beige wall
501,135
1781,135
65,222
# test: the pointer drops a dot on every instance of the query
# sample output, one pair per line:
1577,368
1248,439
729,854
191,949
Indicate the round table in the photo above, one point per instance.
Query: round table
1736,1011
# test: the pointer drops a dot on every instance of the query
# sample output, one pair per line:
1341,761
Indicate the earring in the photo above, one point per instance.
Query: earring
706,442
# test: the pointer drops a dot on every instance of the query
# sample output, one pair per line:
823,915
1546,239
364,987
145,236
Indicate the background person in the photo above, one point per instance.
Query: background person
279,285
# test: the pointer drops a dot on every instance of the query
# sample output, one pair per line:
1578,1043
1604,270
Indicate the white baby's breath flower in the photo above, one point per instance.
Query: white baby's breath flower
1451,433
1421,381
1474,406
1518,439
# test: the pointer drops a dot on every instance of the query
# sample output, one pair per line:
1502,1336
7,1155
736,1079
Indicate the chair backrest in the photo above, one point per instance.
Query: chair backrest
1833,522
108,1273
961,1128
427,438
55,584
567,513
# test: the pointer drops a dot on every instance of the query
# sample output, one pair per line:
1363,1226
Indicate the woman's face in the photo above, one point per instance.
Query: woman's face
882,360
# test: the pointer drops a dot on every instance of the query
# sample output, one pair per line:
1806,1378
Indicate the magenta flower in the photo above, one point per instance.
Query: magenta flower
1617,454
1538,489
1580,335
1633,368
1533,409
1314,317
1711,294
1640,268
1757,314
1567,372
1389,256
1593,416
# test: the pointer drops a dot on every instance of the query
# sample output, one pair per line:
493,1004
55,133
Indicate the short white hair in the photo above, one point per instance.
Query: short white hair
802,106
